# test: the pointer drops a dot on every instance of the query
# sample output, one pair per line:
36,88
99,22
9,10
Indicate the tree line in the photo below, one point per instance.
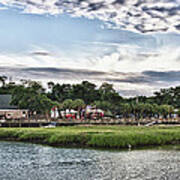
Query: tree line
33,96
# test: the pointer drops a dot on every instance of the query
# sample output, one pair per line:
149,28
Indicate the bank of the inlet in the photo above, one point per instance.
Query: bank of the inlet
111,137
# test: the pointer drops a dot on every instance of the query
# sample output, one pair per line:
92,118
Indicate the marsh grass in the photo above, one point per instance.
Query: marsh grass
96,136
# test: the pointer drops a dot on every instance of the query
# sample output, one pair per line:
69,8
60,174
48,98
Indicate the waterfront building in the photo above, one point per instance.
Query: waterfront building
8,111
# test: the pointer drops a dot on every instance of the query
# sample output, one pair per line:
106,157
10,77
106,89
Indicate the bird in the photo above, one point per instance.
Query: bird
129,146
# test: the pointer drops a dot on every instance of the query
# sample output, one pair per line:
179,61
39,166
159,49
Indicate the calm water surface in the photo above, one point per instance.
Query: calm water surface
21,161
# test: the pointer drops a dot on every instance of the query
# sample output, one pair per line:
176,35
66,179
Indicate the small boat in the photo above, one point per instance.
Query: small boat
50,125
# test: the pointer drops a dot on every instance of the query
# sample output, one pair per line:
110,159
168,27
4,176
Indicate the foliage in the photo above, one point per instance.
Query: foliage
31,95
68,104
104,105
78,104
3,80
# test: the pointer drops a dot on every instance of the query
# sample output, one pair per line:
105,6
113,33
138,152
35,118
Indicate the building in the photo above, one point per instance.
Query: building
94,113
8,112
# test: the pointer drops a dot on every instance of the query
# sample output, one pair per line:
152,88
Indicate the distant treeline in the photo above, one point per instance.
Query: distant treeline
33,96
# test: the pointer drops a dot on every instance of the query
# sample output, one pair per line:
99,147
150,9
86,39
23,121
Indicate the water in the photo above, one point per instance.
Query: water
20,161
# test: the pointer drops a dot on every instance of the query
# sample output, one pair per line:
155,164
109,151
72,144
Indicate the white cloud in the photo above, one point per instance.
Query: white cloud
124,68
135,15
126,59
3,8
135,60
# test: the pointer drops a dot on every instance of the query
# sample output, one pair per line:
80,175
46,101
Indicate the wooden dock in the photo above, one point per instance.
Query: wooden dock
41,123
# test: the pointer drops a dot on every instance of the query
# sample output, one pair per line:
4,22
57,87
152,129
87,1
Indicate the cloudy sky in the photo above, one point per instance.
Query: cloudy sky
134,44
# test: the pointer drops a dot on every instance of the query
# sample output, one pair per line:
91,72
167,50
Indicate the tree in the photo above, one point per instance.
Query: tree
163,110
36,86
3,80
170,110
24,82
68,104
166,110
44,105
8,88
138,110
78,104
108,93
61,92
31,98
106,106
148,110
125,109
86,91
50,85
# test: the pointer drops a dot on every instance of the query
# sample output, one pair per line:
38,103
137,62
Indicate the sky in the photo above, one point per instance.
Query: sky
134,45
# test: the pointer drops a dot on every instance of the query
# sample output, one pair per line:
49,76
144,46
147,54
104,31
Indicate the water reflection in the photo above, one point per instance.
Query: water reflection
21,161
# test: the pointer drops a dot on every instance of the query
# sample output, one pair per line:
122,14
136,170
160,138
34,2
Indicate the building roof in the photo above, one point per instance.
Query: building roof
5,102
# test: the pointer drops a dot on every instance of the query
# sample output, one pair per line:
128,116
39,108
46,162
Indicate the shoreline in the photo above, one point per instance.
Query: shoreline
101,137
76,146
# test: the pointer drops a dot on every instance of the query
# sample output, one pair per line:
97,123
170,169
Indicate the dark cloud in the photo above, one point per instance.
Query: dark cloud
146,77
168,76
95,6
141,28
40,53
50,73
146,55
132,80
151,79
178,27
65,70
169,10
119,2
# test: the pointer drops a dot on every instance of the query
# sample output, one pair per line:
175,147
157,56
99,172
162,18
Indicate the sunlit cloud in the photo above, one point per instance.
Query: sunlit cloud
128,60
135,15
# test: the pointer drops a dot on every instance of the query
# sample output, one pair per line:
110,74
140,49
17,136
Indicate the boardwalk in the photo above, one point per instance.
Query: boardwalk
60,122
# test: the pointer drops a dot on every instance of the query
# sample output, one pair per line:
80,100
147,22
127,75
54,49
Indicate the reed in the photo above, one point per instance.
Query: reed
95,136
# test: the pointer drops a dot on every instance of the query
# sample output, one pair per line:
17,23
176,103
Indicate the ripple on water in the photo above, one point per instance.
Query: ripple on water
19,161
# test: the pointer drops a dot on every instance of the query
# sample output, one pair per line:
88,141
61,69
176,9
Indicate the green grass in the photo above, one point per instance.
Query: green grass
95,136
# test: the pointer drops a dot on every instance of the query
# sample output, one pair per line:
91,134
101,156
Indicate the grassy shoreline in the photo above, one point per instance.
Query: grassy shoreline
107,137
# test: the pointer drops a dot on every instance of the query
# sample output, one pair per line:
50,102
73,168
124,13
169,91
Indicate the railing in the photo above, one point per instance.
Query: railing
109,121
